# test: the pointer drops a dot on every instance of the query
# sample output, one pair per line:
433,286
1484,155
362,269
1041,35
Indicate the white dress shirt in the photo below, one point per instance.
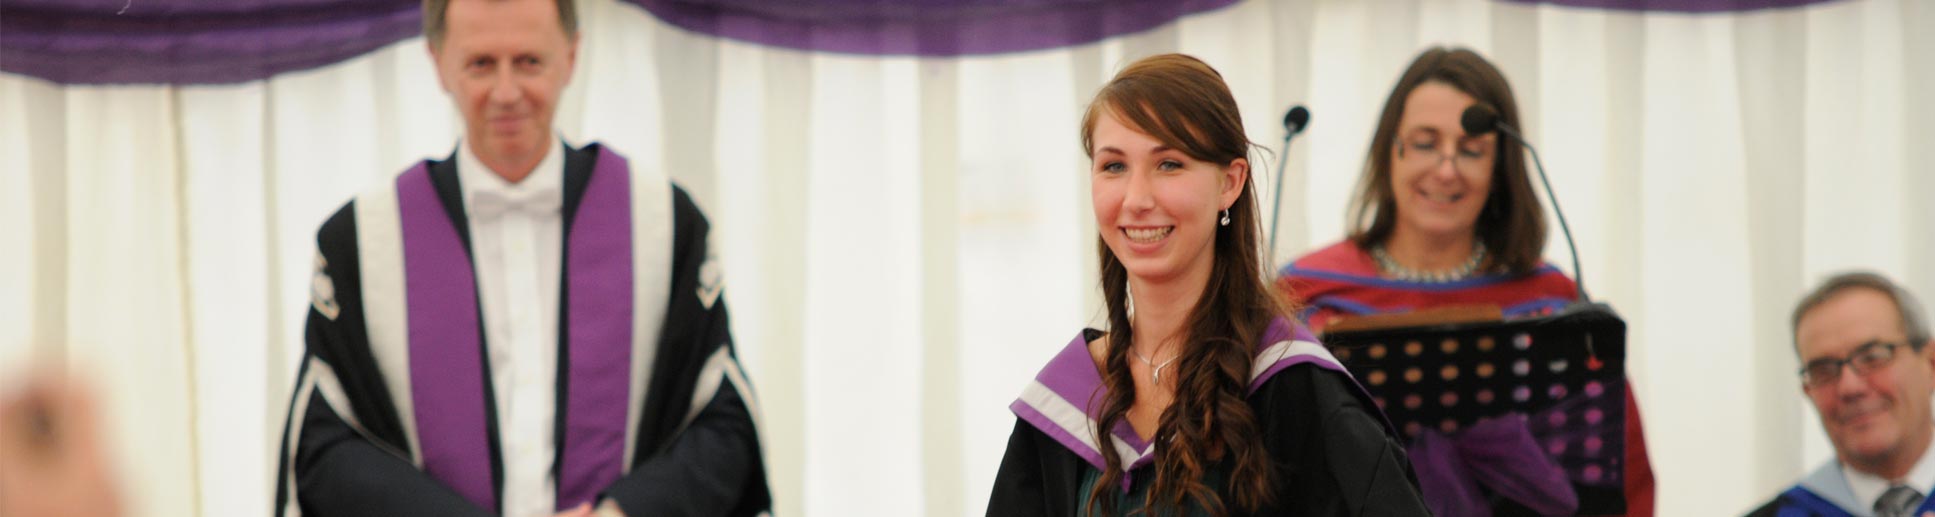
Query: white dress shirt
517,251
1868,488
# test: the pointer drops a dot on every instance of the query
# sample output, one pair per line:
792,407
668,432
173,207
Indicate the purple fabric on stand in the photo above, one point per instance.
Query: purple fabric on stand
1499,454
446,345
599,273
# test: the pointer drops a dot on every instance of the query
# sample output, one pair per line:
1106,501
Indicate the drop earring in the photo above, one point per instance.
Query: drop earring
1226,217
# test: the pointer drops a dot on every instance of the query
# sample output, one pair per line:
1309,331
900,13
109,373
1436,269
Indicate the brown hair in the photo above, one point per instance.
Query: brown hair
434,12
1914,326
1512,223
1184,103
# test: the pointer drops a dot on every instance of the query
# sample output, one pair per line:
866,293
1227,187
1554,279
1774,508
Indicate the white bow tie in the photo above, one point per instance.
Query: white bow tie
488,205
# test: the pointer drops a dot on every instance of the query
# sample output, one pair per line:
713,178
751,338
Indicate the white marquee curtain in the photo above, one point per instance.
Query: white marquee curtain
909,239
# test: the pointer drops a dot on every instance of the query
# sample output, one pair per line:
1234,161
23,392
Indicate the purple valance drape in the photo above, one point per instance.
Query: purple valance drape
226,41
922,27
192,41
1681,6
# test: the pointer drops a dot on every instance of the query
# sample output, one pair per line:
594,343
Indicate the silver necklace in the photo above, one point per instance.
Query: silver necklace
1392,269
1155,370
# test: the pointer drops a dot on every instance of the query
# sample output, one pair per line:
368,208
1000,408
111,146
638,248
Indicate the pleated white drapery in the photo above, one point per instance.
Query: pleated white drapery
909,239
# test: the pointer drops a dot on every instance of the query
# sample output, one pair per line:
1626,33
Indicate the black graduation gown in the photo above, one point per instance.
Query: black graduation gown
1332,451
347,450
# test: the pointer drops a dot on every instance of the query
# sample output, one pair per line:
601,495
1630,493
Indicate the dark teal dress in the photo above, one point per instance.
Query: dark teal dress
1216,478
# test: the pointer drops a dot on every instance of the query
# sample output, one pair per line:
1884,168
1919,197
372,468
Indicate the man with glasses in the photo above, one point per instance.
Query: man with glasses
1867,365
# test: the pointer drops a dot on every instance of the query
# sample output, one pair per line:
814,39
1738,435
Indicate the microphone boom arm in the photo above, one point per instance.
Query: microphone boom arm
1578,274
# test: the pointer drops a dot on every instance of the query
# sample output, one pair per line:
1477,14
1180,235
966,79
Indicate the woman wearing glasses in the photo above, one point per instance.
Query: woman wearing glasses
1442,218
1201,397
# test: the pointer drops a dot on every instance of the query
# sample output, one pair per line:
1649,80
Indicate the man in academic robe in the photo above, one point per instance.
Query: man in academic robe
1868,367
523,328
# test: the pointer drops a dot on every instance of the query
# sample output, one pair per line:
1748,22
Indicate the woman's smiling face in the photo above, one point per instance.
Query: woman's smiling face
1156,208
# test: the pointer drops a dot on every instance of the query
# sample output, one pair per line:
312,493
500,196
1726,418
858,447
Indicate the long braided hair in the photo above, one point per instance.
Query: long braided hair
1182,102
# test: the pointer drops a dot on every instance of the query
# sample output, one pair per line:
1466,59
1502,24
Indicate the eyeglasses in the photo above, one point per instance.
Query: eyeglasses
1864,360
1425,155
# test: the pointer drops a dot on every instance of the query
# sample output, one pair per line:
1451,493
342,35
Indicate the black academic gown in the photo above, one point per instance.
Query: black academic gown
1332,452
346,450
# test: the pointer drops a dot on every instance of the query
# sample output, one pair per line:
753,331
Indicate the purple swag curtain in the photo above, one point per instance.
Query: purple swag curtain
227,41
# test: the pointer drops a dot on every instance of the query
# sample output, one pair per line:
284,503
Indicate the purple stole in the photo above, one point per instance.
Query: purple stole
1065,399
446,361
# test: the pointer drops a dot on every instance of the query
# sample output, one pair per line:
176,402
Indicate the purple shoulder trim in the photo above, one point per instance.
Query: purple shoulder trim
1065,399
1064,402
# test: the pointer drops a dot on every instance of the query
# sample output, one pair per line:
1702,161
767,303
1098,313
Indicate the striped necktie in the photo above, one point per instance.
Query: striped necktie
1898,501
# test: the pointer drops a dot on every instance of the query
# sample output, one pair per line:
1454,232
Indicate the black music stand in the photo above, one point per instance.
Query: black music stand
1566,371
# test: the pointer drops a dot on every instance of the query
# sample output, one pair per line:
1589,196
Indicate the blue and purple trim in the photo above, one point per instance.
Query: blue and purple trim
1409,285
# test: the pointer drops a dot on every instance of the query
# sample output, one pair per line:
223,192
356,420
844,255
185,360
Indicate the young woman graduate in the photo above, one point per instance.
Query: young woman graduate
1203,396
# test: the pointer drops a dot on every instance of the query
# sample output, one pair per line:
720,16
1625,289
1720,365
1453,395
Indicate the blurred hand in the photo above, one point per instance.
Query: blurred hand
582,510
609,508
51,460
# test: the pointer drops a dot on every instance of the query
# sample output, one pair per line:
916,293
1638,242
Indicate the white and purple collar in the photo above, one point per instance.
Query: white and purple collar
1065,400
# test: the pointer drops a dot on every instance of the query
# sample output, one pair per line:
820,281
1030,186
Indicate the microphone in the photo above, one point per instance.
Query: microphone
1293,123
1294,120
1480,119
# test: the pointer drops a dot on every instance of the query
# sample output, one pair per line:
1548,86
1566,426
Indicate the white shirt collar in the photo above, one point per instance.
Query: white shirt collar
1867,487
473,176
